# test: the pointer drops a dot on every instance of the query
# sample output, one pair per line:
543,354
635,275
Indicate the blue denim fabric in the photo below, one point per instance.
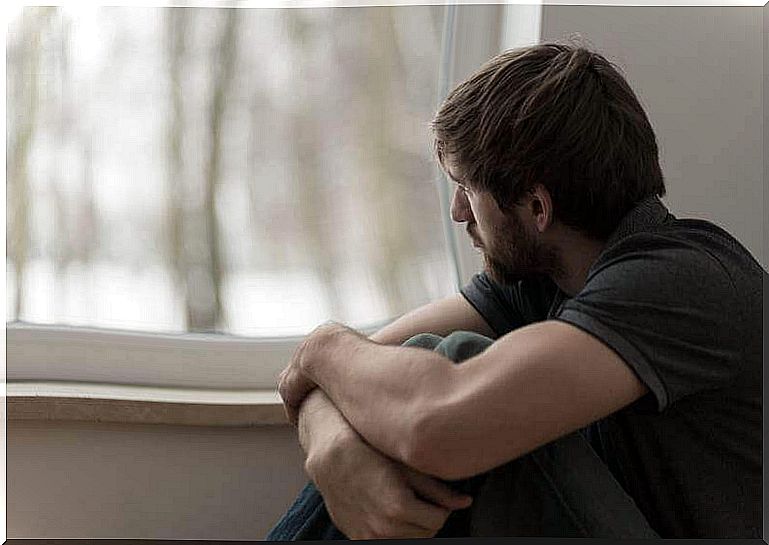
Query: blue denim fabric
562,489
306,519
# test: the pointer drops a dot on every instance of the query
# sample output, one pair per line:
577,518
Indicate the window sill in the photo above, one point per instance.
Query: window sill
89,402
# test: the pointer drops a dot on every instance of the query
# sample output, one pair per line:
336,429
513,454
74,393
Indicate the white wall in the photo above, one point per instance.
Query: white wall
698,72
81,480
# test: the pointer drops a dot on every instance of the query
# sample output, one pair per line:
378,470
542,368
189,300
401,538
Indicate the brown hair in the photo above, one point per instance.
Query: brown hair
558,115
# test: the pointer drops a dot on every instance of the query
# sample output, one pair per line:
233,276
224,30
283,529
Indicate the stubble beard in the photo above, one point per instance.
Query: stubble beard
513,255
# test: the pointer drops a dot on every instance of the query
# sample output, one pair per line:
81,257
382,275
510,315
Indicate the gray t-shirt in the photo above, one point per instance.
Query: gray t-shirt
680,301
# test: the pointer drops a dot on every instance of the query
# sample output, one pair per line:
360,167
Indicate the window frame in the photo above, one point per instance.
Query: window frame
58,353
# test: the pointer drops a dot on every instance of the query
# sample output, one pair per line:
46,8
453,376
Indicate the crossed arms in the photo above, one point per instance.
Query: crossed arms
451,421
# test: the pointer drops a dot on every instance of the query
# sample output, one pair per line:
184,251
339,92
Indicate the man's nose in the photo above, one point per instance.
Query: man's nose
460,207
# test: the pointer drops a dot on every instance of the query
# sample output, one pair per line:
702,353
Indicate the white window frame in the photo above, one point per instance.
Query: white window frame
41,353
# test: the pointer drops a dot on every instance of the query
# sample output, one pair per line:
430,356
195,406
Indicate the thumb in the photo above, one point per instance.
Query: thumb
436,491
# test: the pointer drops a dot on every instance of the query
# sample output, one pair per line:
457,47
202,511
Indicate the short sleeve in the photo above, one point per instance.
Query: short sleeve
506,308
669,309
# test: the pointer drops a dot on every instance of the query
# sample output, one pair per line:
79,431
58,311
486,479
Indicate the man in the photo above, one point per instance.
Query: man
610,383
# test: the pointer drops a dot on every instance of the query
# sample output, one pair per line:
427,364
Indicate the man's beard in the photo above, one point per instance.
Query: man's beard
511,254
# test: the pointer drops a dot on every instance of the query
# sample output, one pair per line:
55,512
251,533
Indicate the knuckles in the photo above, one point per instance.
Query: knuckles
394,512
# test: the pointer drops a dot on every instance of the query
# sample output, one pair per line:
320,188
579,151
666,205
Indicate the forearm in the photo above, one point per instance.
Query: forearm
440,317
321,428
320,423
382,391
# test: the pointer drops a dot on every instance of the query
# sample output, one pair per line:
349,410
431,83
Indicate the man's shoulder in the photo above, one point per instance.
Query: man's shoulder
684,264
694,245
677,305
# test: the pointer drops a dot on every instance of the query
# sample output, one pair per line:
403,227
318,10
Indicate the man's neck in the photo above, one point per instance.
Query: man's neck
576,255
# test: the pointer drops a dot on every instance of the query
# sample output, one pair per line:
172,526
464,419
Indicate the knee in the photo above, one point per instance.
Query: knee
462,345
424,340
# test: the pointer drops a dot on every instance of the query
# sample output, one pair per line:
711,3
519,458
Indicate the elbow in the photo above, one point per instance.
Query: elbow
433,449
437,440
421,452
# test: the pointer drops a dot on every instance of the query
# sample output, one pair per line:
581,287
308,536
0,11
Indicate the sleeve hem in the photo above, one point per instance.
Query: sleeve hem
467,292
629,353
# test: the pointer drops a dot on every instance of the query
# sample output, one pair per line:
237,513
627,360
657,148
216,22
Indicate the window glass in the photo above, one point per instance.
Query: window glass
245,171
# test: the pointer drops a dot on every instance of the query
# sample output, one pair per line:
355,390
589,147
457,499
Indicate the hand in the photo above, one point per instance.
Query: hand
293,382
293,387
370,496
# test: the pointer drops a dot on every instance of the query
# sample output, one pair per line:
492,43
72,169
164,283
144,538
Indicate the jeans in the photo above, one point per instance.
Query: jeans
562,489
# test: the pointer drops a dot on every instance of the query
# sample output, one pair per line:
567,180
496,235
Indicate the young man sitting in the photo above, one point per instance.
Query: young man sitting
610,354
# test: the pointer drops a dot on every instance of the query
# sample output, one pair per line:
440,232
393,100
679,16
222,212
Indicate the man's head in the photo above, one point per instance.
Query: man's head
508,240
552,128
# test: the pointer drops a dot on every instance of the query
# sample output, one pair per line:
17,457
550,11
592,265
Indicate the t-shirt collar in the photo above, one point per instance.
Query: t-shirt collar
647,213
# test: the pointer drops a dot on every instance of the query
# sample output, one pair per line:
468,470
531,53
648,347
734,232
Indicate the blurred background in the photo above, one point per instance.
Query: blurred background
245,171
259,171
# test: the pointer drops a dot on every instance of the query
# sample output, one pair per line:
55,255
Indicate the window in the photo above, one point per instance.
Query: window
239,174
246,171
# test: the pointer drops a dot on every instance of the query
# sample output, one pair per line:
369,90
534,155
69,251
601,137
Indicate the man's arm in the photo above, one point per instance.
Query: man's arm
367,494
321,426
532,386
439,317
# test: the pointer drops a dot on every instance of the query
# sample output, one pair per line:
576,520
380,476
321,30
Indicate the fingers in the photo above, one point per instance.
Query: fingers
424,514
437,492
293,384
287,386
292,414
292,392
387,530
411,531
404,516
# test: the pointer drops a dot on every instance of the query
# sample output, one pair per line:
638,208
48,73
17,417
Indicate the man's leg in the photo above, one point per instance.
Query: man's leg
562,489
307,518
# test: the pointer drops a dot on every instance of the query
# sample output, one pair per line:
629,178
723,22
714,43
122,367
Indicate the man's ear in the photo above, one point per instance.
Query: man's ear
540,206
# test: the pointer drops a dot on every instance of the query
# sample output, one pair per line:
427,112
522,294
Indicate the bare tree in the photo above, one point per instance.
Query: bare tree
24,58
306,138
383,189
223,64
194,232
176,32
74,222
